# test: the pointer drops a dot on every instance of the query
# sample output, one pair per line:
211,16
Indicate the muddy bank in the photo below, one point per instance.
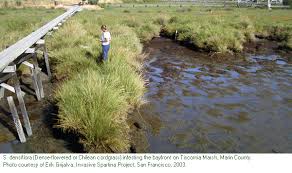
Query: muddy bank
197,102
43,117
46,137
259,45
202,103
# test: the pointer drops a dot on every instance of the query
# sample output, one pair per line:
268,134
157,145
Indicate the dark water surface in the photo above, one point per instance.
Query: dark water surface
196,104
200,105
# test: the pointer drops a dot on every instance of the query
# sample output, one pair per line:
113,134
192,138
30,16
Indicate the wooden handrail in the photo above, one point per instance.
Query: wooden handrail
10,54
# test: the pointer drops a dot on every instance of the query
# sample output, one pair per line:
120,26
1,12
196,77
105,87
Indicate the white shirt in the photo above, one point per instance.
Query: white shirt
106,35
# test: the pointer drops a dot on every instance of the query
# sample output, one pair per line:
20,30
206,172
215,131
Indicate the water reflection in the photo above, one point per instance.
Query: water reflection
197,105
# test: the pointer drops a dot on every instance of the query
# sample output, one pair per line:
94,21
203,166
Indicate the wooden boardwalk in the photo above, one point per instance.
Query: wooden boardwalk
25,52
8,55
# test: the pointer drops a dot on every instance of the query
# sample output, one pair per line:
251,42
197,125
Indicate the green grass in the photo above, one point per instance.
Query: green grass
94,99
95,103
224,31
17,23
96,111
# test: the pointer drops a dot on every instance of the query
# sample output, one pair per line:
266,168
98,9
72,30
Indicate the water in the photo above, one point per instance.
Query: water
197,104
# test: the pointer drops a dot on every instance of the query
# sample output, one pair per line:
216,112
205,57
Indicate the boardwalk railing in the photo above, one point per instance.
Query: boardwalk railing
8,55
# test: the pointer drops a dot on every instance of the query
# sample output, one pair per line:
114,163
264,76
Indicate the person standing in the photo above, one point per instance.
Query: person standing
105,42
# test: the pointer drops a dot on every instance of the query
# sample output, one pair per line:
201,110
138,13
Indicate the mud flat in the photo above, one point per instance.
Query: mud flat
42,114
202,103
197,102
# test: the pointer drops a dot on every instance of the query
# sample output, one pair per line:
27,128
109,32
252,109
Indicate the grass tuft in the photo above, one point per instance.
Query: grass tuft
96,111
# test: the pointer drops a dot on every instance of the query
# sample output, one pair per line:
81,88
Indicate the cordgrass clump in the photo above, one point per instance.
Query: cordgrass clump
102,94
95,103
94,107
94,98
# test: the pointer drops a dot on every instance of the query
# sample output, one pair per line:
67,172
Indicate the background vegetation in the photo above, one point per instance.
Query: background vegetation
94,98
225,31
287,2
47,3
17,23
95,103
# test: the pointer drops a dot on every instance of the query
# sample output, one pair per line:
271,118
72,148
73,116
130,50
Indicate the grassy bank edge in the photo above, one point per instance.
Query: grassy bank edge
94,99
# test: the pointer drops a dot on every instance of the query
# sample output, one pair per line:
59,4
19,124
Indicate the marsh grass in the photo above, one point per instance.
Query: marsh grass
17,23
94,107
225,31
101,94
94,98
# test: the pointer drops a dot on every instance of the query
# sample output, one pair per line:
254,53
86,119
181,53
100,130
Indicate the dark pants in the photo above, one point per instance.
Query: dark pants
105,49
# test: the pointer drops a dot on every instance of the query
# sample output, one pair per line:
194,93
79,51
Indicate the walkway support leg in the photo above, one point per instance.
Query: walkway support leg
22,107
35,84
38,76
46,57
1,92
16,119
42,45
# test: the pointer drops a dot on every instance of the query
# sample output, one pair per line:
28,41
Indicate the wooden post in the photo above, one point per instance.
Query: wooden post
16,119
1,92
35,84
9,69
22,107
46,57
269,4
38,75
10,88
42,44
40,83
